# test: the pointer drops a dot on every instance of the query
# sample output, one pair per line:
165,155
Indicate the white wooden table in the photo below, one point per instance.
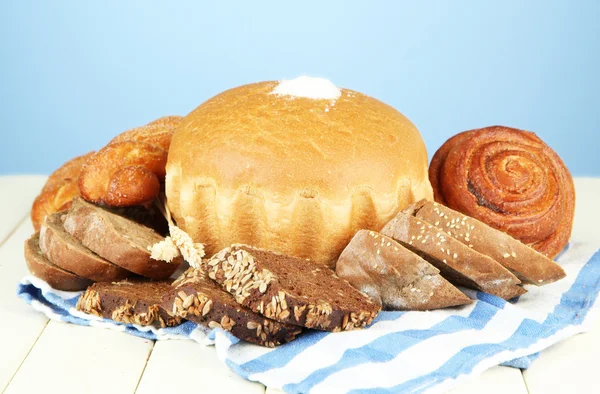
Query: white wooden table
37,355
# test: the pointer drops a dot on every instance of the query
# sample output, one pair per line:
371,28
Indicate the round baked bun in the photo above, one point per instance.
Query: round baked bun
260,165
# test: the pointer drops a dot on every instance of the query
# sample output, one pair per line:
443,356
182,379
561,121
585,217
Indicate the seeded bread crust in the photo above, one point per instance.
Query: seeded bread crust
457,262
130,301
68,253
117,239
43,268
197,298
288,290
393,275
526,263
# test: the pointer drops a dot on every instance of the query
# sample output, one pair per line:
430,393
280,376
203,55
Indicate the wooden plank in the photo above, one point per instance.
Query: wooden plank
16,196
174,363
496,380
21,325
74,359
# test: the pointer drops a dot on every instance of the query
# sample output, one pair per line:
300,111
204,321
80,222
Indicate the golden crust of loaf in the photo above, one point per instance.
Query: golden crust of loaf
290,174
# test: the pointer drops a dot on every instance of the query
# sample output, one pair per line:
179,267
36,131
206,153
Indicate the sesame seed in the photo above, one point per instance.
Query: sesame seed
514,254
413,237
418,222
437,223
410,242
371,233
506,255
444,261
470,246
395,248
455,255
467,239
438,244
443,250
423,241
378,251
540,280
419,237
448,252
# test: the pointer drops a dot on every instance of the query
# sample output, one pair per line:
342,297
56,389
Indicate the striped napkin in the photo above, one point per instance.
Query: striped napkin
408,352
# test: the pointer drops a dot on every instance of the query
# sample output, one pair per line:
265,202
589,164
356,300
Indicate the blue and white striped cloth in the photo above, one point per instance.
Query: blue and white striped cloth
408,352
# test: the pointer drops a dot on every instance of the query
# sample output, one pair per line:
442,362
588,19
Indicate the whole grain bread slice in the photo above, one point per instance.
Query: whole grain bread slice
457,262
68,253
393,275
132,301
117,239
526,263
199,299
43,268
290,290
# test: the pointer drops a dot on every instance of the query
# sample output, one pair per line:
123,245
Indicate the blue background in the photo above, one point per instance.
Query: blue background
74,74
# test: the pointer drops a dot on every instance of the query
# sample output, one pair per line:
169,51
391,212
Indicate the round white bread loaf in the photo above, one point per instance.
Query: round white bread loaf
295,175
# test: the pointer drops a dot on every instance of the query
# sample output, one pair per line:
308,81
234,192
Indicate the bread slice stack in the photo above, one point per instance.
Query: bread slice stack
197,298
399,265
89,244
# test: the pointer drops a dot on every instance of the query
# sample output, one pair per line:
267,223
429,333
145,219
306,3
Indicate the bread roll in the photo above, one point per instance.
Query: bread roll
293,173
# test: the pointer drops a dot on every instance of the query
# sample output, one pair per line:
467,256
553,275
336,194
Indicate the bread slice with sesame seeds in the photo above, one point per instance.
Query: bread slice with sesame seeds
132,301
289,290
388,272
457,262
526,263
197,298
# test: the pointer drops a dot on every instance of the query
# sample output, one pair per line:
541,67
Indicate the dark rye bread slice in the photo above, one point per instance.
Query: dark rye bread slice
132,301
117,239
290,290
43,268
457,262
199,299
526,263
393,275
68,253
